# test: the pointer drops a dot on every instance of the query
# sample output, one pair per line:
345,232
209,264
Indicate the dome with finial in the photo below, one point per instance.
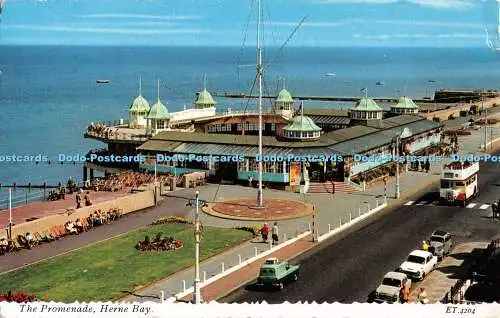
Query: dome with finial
204,98
284,96
139,105
158,111
366,104
405,106
301,127
302,123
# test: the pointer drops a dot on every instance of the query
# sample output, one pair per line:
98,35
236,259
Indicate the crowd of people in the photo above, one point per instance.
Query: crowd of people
80,225
101,130
129,179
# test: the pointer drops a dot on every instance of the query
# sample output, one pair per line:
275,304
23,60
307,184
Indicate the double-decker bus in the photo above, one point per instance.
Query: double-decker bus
459,182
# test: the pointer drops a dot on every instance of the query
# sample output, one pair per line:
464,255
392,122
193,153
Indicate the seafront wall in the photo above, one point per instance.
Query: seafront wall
455,111
128,204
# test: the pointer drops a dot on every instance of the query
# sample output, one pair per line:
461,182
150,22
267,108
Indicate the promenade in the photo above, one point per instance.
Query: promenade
40,209
332,211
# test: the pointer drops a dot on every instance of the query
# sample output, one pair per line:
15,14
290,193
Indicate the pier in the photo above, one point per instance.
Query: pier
30,186
319,98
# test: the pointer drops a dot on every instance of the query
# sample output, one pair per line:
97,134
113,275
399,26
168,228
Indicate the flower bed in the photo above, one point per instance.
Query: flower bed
18,297
169,219
254,229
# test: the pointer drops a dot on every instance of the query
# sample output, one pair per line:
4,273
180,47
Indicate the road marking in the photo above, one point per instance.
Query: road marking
484,206
409,202
422,203
471,205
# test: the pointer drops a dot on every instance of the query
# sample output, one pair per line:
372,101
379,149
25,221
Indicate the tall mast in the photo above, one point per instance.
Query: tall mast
158,91
260,197
140,85
498,18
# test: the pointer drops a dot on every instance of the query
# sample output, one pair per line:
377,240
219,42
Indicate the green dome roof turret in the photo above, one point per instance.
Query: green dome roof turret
204,98
140,104
284,96
367,104
302,123
405,102
158,111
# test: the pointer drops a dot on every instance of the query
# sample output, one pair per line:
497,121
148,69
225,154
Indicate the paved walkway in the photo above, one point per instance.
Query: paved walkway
225,285
449,271
40,209
273,209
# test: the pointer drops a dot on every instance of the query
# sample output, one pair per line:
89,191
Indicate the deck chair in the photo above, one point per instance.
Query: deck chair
22,242
38,238
62,230
85,224
47,236
53,233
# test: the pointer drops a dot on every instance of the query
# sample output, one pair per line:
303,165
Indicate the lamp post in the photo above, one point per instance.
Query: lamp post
156,185
197,234
10,214
485,123
396,155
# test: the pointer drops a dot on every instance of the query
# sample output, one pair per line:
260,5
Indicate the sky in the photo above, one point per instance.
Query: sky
328,23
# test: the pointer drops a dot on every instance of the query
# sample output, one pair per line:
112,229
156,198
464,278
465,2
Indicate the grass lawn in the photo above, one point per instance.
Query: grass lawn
102,271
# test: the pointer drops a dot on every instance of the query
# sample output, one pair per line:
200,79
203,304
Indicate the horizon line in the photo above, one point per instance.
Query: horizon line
237,46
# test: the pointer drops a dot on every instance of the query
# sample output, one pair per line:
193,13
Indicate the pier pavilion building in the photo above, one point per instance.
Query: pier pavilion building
365,129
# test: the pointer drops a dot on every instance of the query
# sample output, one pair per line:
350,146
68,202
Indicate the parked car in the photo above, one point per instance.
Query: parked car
441,244
390,287
418,264
276,273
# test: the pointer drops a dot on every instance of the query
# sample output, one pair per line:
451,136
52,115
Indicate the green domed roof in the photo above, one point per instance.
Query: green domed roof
284,96
366,104
158,111
405,102
140,104
302,123
204,98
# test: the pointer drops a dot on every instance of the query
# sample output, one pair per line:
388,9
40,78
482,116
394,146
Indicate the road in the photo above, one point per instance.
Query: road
349,269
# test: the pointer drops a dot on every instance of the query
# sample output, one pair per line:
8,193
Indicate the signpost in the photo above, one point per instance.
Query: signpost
385,187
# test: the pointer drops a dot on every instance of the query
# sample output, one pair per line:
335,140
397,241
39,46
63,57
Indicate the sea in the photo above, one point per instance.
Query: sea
49,94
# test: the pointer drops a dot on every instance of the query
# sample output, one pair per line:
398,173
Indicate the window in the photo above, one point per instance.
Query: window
416,259
445,184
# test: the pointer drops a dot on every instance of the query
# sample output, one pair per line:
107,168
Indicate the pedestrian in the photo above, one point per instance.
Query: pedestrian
264,231
425,246
250,180
78,201
275,233
87,199
494,208
422,296
406,293
427,166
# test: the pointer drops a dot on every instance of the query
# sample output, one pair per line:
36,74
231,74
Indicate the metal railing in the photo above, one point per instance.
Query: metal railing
115,135
29,196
